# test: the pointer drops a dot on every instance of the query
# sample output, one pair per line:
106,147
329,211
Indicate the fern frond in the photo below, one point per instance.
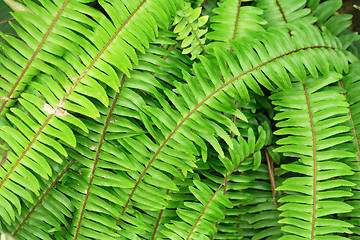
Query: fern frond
234,21
49,122
254,215
326,17
46,209
278,13
351,83
188,26
186,124
262,212
38,39
107,178
168,214
198,217
119,122
254,197
313,118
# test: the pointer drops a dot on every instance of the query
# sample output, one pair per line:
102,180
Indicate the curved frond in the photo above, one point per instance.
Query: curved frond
106,178
196,106
351,83
119,122
253,194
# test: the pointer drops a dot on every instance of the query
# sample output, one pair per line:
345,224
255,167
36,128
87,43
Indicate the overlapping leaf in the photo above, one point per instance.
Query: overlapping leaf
188,26
350,83
197,104
107,180
68,89
39,43
106,142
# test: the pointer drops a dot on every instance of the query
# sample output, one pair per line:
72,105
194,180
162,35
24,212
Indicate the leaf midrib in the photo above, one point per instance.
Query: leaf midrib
68,92
42,198
96,159
237,20
33,56
195,34
217,190
315,163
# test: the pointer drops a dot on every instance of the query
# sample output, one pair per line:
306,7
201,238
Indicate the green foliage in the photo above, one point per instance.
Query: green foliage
312,194
188,26
234,21
168,119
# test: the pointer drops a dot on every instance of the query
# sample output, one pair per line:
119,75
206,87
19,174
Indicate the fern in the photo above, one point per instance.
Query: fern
308,210
154,119
234,21
23,56
188,27
199,218
348,83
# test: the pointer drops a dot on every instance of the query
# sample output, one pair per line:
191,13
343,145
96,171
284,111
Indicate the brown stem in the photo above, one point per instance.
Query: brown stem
237,20
7,20
203,3
271,175
315,163
196,36
72,88
316,23
26,150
